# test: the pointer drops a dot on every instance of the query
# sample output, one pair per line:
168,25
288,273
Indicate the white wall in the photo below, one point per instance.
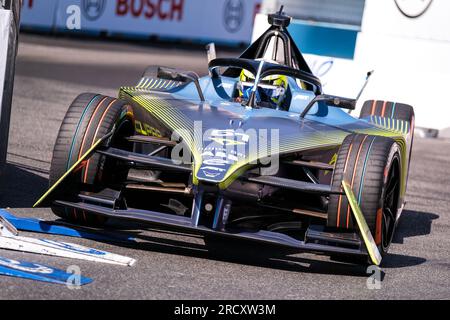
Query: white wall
411,59
383,17
410,56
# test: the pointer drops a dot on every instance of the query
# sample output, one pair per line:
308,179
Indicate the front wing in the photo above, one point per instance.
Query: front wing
316,238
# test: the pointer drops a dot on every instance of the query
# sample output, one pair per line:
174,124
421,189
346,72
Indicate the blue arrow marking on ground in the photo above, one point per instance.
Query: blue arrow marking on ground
38,272
36,225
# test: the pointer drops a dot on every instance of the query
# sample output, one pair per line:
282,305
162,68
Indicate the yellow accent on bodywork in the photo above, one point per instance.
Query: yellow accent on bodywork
331,163
71,169
177,121
149,84
235,175
397,130
173,118
371,246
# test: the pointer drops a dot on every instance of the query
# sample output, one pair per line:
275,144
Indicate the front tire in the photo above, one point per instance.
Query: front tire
89,118
372,166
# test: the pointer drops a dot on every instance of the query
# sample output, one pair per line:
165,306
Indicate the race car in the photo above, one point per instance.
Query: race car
253,151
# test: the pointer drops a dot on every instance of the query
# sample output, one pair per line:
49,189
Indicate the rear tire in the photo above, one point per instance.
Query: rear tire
394,110
372,166
388,109
89,118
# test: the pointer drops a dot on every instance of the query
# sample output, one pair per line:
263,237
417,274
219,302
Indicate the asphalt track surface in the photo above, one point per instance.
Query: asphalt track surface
52,71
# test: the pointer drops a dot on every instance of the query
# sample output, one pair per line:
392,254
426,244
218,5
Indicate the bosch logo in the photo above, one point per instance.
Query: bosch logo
171,10
93,9
413,8
233,15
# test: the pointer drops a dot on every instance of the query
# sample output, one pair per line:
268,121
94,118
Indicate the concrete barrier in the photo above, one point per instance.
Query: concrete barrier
9,33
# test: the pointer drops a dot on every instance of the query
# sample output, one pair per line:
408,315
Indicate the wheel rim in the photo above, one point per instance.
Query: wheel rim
390,203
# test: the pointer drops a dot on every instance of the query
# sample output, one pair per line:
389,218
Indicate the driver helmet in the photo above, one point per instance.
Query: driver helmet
271,89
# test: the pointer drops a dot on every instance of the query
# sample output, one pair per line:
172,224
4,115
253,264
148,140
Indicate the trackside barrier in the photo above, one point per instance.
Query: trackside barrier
223,21
9,32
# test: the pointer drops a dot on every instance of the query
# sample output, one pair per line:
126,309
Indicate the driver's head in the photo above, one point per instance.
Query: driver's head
271,89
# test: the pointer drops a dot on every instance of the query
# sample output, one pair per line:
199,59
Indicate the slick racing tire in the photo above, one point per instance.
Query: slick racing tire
392,110
372,166
89,118
388,109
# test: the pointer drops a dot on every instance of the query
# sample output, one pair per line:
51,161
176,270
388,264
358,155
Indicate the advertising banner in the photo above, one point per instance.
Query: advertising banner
39,14
227,21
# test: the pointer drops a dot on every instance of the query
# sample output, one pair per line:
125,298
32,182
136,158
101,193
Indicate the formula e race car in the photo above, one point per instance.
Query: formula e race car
253,151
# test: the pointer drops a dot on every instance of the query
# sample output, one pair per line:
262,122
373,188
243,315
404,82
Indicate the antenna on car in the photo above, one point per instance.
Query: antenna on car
211,51
279,19
369,74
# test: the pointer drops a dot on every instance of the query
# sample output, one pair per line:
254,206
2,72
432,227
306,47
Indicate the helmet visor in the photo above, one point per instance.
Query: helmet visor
264,92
